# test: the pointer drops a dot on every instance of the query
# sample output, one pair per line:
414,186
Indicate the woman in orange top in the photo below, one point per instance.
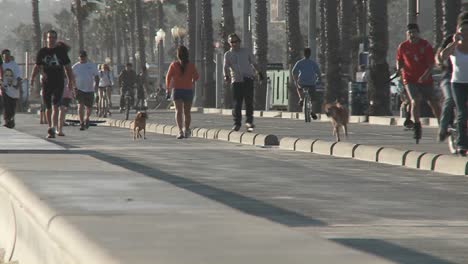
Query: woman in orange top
182,74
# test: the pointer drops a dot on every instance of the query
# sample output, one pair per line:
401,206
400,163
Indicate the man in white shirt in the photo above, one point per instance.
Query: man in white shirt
11,88
87,80
239,66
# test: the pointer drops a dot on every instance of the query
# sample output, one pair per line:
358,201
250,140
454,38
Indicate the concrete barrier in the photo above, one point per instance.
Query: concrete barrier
258,113
392,156
201,133
42,235
248,138
160,128
382,120
223,134
323,147
427,161
305,145
272,114
288,143
344,149
168,129
451,164
212,111
358,119
413,159
212,133
236,136
367,153
227,112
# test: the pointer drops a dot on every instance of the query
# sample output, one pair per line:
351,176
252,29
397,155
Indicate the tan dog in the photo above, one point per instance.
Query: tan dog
138,125
339,117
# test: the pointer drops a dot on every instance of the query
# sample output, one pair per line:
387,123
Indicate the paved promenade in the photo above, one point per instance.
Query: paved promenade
91,197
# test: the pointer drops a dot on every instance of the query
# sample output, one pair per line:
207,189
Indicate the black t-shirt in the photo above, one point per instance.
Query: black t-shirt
53,60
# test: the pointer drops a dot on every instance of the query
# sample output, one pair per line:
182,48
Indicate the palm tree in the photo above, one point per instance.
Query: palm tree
333,89
192,27
322,46
37,25
295,47
207,24
451,8
227,27
378,86
261,44
438,21
346,31
79,23
37,36
140,34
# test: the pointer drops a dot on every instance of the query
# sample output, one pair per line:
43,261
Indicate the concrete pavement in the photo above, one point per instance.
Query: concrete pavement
65,205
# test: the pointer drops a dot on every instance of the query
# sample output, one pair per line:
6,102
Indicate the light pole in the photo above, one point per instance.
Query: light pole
160,35
219,75
178,34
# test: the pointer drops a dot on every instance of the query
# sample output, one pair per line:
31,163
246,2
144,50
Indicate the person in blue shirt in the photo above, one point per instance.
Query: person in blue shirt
306,74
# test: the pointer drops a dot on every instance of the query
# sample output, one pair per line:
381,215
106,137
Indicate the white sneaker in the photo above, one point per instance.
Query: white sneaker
181,135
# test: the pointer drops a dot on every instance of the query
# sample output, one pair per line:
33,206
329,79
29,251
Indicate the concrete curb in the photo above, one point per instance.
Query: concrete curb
41,234
407,158
246,138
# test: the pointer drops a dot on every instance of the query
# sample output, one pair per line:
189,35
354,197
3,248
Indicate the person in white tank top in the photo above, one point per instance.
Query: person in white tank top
458,53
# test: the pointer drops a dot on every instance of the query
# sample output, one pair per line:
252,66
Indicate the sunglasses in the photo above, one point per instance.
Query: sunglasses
234,41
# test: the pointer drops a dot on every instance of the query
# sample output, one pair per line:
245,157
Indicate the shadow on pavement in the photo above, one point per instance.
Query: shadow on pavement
389,251
242,203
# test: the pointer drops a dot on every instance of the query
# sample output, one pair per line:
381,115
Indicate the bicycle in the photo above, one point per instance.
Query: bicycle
307,107
128,103
103,105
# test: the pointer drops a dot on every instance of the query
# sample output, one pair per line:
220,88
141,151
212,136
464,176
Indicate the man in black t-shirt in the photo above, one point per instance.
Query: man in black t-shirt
53,63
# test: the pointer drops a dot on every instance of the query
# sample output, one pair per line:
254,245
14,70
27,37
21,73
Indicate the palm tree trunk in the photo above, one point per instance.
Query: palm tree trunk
333,89
438,21
450,8
227,27
79,23
346,29
192,27
378,86
210,89
37,25
295,47
261,44
131,25
322,46
37,38
140,34
118,39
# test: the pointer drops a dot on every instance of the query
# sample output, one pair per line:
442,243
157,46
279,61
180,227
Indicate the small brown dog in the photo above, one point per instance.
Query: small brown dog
138,125
339,117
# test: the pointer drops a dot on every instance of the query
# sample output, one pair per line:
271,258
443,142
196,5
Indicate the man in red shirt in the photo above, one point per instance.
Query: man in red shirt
415,59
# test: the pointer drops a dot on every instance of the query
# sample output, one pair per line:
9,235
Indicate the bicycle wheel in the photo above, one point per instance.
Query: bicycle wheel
307,105
127,108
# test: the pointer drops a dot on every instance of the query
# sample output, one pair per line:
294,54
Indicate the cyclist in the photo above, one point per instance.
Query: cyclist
106,81
306,74
127,82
